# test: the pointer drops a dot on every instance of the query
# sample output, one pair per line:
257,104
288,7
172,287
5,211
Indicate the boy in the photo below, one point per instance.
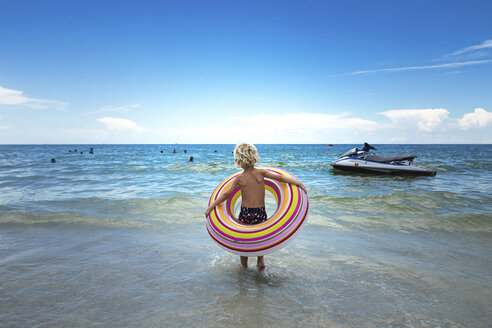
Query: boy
251,182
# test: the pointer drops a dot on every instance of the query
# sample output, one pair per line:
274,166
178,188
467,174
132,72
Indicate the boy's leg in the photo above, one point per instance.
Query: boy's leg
244,261
260,263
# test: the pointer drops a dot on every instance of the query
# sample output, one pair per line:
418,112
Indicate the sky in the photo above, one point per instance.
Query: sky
199,72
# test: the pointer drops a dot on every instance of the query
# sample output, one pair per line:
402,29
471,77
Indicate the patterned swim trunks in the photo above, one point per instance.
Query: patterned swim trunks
252,215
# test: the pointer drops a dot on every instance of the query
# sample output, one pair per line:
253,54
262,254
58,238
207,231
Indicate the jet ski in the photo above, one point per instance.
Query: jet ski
366,161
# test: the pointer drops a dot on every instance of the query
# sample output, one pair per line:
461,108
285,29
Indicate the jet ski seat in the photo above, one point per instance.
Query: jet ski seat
388,159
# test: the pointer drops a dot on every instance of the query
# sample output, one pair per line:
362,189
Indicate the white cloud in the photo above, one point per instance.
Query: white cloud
484,45
113,123
426,120
479,118
305,121
12,97
449,65
284,128
434,125
15,97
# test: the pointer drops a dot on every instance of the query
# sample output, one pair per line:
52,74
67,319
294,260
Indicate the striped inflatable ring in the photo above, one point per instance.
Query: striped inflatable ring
264,238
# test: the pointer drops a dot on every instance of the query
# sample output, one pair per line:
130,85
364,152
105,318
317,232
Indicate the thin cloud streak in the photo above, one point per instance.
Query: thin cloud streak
483,45
13,97
113,123
449,65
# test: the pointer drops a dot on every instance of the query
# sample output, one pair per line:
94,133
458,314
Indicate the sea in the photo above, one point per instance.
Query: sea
117,238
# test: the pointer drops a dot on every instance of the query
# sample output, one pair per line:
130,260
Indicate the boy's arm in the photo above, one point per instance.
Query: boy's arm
283,178
222,197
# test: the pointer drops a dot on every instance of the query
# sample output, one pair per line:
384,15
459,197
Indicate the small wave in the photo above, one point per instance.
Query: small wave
403,211
202,168
432,202
471,223
137,212
68,218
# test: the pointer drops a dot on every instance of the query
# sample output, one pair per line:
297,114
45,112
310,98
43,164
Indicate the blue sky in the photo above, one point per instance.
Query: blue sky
256,71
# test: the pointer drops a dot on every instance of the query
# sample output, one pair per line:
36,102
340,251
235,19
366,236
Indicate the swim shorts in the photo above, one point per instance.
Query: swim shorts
252,215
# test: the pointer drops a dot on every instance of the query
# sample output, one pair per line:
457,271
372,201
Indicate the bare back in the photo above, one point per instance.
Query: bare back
251,182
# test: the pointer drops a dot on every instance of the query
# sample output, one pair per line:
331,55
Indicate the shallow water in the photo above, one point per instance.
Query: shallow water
117,238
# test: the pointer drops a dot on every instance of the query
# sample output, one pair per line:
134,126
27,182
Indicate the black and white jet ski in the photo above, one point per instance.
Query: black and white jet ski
366,161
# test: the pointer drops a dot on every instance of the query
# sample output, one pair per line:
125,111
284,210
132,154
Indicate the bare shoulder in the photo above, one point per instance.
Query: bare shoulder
261,171
237,179
269,174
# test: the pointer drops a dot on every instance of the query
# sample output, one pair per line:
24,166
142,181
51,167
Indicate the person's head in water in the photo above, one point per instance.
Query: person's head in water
191,159
246,155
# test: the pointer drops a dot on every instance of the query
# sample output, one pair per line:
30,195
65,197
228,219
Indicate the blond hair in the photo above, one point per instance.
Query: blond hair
246,155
